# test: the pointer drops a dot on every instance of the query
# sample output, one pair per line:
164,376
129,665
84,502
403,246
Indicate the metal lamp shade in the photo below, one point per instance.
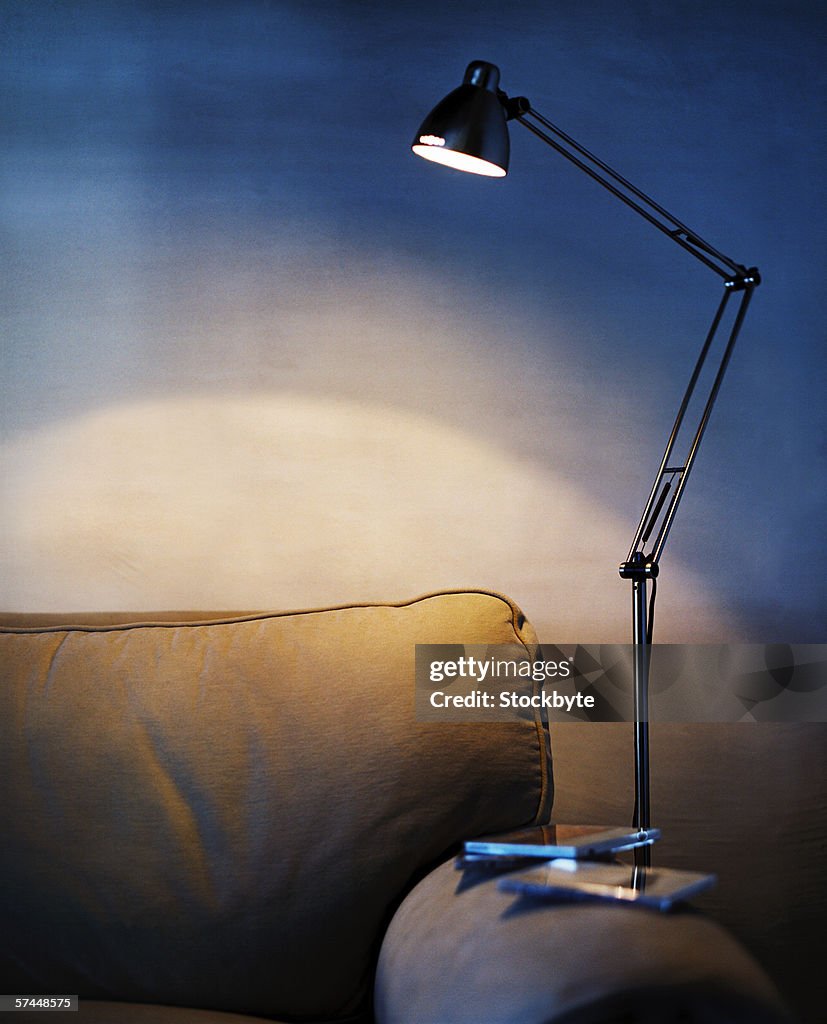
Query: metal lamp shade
467,130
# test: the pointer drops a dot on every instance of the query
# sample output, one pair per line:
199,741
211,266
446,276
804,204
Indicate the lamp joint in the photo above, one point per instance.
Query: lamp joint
639,567
514,106
743,279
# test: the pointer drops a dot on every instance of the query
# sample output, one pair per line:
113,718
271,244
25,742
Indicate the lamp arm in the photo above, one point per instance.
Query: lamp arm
660,507
519,109
664,499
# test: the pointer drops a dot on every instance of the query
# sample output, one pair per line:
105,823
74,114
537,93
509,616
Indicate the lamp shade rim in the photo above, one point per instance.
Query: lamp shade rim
458,160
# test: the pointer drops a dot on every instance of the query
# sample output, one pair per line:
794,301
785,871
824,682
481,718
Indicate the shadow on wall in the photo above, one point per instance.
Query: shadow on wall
289,501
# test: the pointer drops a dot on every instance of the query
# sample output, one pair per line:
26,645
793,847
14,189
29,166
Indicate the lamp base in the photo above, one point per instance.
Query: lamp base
566,880
544,842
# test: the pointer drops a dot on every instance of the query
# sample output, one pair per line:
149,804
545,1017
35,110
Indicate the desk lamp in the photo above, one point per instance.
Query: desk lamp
468,131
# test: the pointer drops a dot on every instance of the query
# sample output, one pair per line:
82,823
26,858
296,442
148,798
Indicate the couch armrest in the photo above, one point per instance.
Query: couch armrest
459,951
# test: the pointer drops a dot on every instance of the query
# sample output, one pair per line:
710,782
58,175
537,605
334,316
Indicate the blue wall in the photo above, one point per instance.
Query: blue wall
255,353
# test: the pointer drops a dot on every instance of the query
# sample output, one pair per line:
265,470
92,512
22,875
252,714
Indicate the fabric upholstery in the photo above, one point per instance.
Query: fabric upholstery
224,813
461,951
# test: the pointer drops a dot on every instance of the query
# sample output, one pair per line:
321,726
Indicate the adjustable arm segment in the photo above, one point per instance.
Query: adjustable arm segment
662,504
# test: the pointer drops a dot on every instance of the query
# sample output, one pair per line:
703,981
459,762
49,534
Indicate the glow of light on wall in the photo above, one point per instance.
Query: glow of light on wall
289,501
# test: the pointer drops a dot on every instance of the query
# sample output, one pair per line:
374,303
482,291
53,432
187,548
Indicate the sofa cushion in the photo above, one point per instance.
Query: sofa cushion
224,813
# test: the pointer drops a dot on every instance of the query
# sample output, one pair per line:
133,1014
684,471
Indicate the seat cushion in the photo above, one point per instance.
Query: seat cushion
224,813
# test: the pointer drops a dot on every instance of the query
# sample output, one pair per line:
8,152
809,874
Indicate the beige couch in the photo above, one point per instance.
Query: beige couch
215,819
